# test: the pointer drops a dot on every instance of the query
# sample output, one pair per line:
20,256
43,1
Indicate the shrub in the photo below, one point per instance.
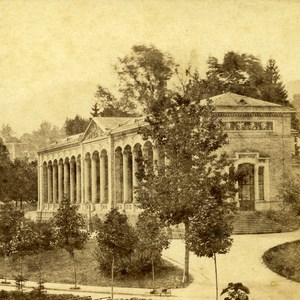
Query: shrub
35,295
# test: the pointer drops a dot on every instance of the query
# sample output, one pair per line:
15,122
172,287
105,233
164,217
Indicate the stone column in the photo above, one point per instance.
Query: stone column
118,169
87,180
256,184
155,155
267,181
72,181
125,176
45,184
60,182
135,165
67,178
94,179
40,188
102,178
78,180
55,183
50,183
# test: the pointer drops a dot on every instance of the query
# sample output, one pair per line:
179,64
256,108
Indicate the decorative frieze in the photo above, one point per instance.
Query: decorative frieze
248,125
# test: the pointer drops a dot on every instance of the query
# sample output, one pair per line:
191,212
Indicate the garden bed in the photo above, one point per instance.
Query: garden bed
284,260
57,267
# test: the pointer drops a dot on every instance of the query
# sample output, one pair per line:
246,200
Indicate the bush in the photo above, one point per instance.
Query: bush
35,295
289,192
286,217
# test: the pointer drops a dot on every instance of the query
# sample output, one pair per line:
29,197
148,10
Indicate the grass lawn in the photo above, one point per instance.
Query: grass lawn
57,267
284,260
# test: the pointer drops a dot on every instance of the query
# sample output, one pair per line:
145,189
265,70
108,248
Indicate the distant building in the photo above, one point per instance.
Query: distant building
21,151
97,168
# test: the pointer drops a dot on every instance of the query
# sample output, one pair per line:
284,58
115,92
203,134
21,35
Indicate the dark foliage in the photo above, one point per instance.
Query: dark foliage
116,240
76,125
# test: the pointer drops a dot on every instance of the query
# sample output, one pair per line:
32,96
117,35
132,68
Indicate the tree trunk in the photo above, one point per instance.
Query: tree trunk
5,267
185,278
152,262
112,278
216,274
75,271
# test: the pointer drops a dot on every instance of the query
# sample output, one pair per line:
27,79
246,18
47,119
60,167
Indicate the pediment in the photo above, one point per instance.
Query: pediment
93,131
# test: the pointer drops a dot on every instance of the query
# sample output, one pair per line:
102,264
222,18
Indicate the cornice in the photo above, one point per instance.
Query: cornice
252,114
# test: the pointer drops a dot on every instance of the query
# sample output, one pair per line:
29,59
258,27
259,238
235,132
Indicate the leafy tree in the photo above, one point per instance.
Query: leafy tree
23,243
212,226
110,106
151,241
190,134
10,218
8,134
23,172
76,125
116,240
45,135
46,241
70,233
143,76
5,171
238,73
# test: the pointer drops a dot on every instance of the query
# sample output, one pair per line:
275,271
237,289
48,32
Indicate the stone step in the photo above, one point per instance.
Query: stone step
254,222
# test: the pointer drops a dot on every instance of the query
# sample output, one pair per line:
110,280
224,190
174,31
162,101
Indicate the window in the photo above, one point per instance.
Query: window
246,186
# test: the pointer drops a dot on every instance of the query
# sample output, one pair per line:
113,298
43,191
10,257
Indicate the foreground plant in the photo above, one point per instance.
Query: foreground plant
70,229
236,291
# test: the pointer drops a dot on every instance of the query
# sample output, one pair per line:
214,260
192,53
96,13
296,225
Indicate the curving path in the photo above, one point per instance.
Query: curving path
242,264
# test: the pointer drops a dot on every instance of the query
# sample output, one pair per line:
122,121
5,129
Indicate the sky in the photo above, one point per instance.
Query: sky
53,54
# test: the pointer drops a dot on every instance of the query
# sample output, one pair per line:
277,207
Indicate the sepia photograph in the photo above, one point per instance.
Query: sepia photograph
149,149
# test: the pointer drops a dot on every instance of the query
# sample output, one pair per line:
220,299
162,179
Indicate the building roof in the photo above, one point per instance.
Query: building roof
231,99
234,103
227,102
109,123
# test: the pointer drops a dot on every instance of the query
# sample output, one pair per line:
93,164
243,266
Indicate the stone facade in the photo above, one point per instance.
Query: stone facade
97,168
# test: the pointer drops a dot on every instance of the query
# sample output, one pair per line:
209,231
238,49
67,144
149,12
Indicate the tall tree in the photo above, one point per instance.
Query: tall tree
151,241
116,240
8,134
273,89
23,172
238,73
95,110
143,76
46,134
76,125
110,106
23,243
190,134
10,218
5,172
70,227
212,226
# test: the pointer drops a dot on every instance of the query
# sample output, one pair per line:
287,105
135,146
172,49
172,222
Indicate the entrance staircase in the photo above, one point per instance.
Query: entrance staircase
252,222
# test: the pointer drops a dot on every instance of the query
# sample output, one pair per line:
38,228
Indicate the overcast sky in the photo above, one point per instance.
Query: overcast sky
54,53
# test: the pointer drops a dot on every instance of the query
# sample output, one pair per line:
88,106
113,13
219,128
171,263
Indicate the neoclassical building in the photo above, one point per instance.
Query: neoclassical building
97,168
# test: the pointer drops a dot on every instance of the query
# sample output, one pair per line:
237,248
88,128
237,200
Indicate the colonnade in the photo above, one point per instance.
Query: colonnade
97,177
